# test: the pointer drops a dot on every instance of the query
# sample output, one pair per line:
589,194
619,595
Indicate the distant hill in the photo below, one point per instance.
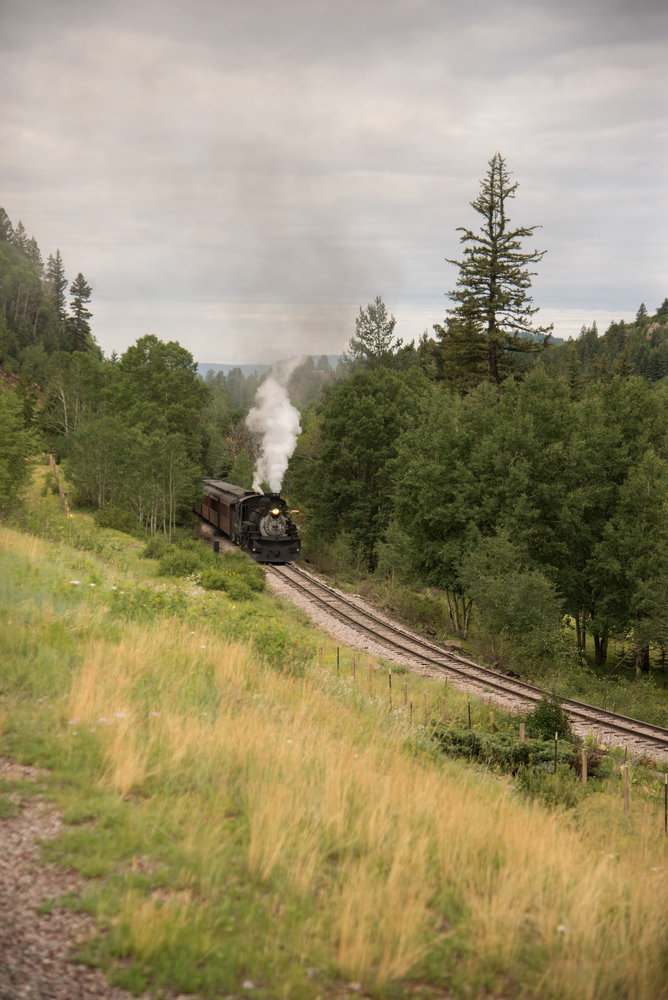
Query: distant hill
258,369
204,367
638,348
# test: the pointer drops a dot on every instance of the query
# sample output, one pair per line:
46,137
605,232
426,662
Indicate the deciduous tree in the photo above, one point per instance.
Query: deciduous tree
158,386
361,423
16,445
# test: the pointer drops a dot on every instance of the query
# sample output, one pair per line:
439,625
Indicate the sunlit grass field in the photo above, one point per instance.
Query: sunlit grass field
253,826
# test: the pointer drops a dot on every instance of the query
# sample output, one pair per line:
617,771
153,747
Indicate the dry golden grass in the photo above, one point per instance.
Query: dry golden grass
28,547
374,833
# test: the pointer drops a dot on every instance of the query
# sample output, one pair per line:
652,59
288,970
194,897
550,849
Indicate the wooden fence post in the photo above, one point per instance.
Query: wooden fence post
584,766
626,787
522,731
556,744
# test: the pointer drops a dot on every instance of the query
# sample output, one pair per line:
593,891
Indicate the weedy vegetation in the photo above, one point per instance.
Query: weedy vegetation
253,823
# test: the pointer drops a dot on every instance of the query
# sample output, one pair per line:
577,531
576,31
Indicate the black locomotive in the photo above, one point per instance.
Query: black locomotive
258,522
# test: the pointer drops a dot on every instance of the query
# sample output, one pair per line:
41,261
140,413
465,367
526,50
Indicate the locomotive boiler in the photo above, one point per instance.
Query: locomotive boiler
259,523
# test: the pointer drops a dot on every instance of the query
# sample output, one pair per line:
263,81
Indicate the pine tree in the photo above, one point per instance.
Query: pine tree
491,320
79,328
20,238
374,335
56,283
6,228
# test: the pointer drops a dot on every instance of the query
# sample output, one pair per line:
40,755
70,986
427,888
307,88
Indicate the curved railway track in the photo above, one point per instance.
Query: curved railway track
400,644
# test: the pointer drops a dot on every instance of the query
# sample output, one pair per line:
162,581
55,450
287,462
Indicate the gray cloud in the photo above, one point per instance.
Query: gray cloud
242,177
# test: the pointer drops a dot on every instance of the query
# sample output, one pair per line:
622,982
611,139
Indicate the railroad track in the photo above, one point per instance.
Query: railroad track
399,643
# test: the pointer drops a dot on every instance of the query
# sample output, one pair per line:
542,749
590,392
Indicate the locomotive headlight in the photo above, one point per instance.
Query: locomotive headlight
275,511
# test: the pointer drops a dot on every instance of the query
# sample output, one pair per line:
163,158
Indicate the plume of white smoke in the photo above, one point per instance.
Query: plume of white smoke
277,420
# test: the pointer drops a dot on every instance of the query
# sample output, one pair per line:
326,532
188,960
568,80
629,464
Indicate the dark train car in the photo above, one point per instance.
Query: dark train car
259,523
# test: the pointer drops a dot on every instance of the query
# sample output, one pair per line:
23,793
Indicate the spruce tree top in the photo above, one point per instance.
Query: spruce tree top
493,309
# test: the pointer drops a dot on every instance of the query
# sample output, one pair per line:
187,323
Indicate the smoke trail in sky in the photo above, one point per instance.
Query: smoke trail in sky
277,420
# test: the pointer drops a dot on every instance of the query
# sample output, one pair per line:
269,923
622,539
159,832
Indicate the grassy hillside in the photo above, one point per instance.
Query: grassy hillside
252,823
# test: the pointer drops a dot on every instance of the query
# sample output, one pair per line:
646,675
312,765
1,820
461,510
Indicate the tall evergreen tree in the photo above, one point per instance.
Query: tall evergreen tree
56,283
20,238
374,335
490,324
6,228
79,327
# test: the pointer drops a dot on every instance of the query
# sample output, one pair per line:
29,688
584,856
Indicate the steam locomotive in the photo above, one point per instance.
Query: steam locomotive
258,522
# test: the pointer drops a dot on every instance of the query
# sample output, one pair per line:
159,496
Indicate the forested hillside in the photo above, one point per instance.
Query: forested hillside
638,348
525,483
35,319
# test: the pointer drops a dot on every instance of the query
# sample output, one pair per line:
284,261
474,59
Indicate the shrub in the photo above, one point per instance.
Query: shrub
561,789
548,718
116,518
219,578
181,561
280,646
213,578
155,547
239,590
501,750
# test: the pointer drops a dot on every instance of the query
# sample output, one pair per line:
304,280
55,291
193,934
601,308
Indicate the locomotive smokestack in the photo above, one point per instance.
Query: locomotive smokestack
277,420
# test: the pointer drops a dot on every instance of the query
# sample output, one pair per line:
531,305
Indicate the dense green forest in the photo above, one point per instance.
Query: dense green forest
526,482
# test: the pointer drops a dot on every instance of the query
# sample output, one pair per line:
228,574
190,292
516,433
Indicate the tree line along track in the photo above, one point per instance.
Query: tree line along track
368,627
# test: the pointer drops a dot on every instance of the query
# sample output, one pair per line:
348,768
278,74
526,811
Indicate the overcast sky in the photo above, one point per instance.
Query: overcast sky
243,175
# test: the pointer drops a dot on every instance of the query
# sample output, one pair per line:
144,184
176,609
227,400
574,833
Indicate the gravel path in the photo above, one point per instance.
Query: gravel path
35,949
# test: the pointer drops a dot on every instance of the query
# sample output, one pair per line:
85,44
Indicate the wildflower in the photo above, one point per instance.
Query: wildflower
75,583
561,929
